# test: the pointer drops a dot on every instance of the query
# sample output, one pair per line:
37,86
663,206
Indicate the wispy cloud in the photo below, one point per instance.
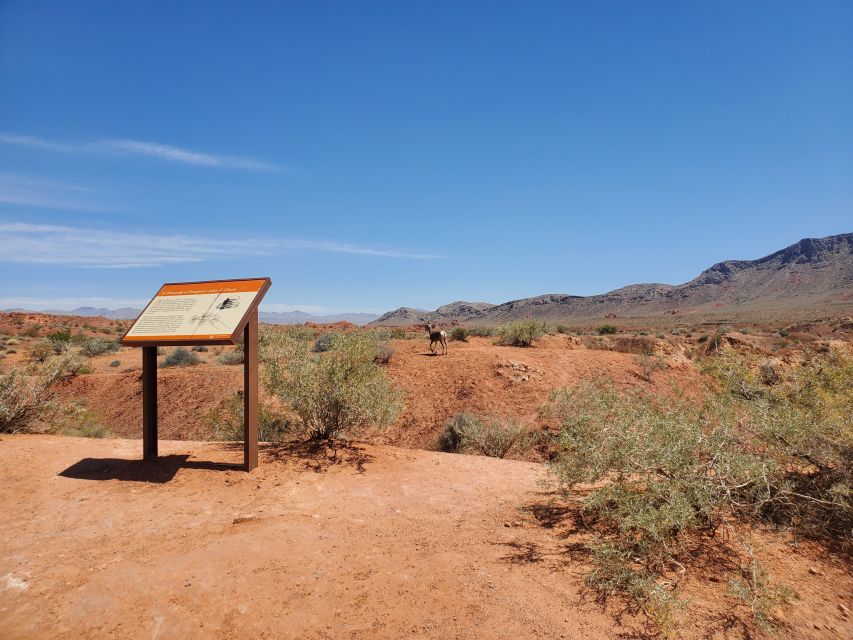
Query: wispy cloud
50,244
157,150
28,191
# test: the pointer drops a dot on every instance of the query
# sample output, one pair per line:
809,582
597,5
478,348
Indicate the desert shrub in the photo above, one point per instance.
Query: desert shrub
82,423
458,334
235,356
324,342
26,396
522,333
606,330
94,347
805,421
564,329
226,421
495,438
200,348
754,587
180,357
115,363
480,332
715,342
32,332
12,341
63,335
702,339
658,472
384,353
41,350
648,364
777,449
335,394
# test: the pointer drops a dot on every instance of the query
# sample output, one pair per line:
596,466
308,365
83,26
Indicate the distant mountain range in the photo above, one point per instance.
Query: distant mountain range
812,274
271,317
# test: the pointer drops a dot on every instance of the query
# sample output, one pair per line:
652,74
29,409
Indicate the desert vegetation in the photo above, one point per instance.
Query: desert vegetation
335,393
759,448
27,396
522,333
493,437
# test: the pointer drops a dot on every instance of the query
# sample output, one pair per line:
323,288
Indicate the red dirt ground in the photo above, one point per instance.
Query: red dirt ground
376,543
476,376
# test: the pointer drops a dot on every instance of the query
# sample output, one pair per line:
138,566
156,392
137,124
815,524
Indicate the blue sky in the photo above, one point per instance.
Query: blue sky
372,155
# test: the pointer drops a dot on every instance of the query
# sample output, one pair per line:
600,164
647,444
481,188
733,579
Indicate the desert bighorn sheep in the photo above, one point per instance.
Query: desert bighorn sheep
436,335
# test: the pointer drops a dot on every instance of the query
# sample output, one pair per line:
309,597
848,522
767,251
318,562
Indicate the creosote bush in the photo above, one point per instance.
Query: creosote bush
522,333
458,334
658,472
180,357
762,447
226,421
335,394
496,438
384,353
234,356
98,346
324,342
606,330
26,395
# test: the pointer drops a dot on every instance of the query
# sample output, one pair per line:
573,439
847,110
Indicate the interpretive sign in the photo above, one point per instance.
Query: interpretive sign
190,313
197,312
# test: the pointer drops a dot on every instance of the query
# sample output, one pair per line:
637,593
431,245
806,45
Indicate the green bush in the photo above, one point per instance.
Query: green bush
458,334
466,433
94,347
521,334
324,342
649,363
26,395
63,335
180,357
335,394
115,363
657,471
83,423
774,447
200,348
384,353
235,356
41,350
606,330
226,421
803,419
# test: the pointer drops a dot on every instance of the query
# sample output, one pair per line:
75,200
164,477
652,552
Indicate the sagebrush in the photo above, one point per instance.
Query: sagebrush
494,437
522,333
335,394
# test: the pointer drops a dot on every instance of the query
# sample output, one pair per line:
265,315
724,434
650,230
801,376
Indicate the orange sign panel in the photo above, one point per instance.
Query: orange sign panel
197,312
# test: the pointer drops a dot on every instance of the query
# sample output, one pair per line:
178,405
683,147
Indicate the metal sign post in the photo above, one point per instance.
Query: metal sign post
185,313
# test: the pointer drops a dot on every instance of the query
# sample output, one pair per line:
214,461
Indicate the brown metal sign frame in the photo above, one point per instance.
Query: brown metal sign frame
247,328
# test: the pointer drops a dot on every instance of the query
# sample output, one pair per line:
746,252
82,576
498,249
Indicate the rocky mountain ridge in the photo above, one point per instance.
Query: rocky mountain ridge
814,272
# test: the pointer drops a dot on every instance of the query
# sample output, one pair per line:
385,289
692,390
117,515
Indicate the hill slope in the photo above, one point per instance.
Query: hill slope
814,272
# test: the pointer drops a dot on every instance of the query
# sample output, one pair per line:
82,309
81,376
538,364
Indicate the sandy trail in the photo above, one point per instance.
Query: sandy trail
384,544
376,542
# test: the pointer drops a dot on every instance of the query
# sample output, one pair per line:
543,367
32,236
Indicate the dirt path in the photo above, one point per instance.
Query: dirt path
399,544
376,542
